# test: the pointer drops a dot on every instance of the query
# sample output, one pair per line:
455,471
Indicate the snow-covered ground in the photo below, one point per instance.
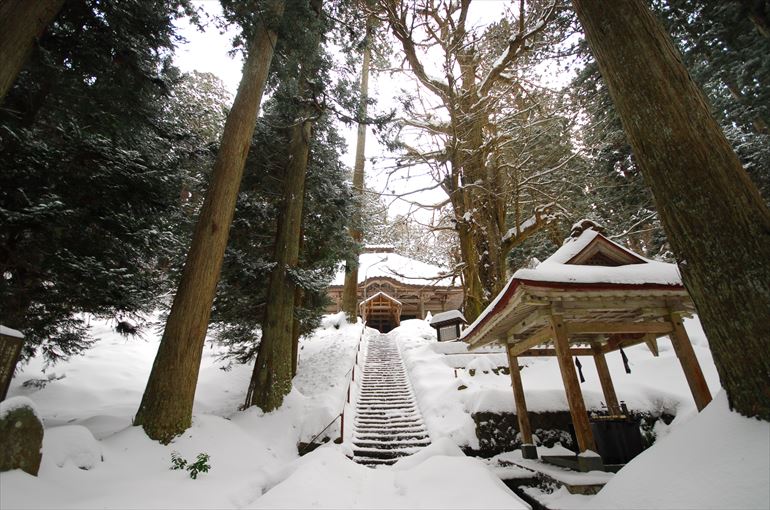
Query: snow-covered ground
715,459
94,458
88,403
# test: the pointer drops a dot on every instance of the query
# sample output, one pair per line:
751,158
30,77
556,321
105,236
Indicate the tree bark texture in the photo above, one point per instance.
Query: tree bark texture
271,379
350,289
22,22
713,215
166,407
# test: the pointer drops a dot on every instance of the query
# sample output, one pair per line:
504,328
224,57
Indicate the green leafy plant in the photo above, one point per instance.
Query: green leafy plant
201,464
177,462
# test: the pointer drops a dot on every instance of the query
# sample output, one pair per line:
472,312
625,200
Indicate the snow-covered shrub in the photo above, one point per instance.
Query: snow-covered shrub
335,320
71,443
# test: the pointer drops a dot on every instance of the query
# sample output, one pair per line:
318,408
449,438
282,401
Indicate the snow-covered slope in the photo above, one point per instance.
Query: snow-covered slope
88,402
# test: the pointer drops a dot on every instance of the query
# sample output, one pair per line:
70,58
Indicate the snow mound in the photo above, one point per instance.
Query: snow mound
443,478
718,459
481,365
441,447
334,320
71,444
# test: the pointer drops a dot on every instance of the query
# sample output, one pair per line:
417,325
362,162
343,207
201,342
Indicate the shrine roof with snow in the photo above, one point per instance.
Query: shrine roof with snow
406,270
589,266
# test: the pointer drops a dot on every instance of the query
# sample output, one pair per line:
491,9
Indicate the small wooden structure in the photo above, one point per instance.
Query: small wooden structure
447,325
591,297
11,342
381,311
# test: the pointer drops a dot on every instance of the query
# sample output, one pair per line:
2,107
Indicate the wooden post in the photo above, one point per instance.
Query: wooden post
606,380
577,407
521,408
422,307
690,366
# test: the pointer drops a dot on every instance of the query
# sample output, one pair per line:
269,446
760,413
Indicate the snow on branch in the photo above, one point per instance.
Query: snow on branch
515,46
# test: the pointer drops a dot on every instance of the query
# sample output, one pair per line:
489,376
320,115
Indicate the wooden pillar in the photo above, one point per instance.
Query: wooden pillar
577,407
422,307
521,407
690,366
606,380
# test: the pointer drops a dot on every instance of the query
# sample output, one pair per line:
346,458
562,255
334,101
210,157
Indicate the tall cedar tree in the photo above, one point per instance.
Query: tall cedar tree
166,407
89,189
21,24
274,367
350,289
716,221
239,308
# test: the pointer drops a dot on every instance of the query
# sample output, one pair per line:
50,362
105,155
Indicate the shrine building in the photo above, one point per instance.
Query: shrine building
392,288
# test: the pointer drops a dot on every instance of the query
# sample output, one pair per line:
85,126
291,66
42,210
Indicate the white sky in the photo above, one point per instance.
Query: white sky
208,52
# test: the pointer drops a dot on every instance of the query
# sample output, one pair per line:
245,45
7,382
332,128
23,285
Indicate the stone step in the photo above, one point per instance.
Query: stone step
390,424
378,453
389,445
385,406
392,431
369,436
380,401
403,421
371,462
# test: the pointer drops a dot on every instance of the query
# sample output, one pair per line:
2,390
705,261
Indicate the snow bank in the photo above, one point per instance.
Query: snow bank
719,459
327,479
88,414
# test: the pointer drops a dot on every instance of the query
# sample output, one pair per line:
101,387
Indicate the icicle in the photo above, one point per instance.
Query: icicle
625,361
580,369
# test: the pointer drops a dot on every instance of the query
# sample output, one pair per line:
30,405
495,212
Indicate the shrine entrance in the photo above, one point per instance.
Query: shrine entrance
381,311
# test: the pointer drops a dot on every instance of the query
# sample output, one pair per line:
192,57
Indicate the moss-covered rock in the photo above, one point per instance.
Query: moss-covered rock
21,436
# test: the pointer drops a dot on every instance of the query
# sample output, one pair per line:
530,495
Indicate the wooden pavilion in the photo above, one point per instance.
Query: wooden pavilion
591,297
381,311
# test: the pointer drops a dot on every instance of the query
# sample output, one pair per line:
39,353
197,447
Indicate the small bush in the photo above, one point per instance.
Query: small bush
201,464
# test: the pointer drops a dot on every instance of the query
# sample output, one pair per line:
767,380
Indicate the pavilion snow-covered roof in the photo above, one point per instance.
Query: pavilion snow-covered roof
637,270
398,267
586,263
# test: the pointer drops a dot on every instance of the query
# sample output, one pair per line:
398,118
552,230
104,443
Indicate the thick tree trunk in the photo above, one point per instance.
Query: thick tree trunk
271,379
22,22
166,407
350,290
715,219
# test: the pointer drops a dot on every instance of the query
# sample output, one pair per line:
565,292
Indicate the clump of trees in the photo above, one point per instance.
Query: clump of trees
99,202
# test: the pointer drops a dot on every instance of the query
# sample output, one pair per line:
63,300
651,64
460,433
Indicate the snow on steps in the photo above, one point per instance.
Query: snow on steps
387,423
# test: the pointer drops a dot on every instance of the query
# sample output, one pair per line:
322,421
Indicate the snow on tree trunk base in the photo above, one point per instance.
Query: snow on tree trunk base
21,436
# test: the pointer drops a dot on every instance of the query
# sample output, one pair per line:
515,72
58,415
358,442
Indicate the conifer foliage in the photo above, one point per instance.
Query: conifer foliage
89,188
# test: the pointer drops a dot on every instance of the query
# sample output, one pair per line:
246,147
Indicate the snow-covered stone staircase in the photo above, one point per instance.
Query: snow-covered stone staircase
387,423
